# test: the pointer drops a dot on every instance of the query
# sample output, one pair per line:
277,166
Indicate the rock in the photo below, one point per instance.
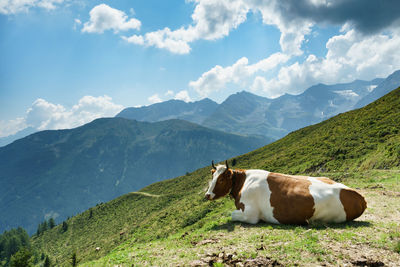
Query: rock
197,263
368,263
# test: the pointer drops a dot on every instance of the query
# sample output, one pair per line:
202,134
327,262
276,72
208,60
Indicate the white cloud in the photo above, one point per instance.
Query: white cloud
183,95
49,4
104,17
77,22
259,84
218,77
12,126
154,99
164,39
211,20
134,39
43,115
169,93
214,19
8,7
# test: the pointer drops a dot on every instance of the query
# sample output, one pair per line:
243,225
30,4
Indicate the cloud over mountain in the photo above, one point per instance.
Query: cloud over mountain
218,77
44,115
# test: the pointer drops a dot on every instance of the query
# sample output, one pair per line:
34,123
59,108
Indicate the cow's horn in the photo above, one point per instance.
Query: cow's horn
212,162
226,163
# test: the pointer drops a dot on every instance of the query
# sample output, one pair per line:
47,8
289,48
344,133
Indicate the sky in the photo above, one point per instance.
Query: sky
64,63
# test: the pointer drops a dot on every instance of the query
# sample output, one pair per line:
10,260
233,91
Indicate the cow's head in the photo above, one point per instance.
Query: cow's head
221,182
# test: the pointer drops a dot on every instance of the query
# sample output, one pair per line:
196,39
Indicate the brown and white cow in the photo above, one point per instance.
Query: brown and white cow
284,199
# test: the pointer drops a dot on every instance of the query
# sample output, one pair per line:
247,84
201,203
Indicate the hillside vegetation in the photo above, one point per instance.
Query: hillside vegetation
168,222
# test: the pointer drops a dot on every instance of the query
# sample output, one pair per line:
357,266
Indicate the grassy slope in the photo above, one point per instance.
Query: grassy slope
345,147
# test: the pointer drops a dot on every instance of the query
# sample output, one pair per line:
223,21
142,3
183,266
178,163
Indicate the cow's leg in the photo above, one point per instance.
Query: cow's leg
249,215
238,215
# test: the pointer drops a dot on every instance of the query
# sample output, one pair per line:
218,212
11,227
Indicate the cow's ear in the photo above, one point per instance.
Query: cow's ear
212,164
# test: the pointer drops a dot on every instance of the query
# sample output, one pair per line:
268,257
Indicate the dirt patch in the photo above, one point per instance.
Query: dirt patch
382,206
391,193
364,255
229,259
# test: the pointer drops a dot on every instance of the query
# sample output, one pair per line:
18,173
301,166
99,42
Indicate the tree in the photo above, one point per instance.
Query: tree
74,260
44,226
13,245
64,226
22,258
39,229
11,242
233,162
52,223
47,262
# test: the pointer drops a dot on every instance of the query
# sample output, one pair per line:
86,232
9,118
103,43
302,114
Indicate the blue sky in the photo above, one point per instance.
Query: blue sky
66,62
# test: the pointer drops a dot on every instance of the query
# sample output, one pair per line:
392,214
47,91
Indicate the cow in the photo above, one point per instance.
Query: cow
284,199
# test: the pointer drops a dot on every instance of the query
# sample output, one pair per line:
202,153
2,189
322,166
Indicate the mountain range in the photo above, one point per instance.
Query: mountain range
246,113
59,173
173,212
